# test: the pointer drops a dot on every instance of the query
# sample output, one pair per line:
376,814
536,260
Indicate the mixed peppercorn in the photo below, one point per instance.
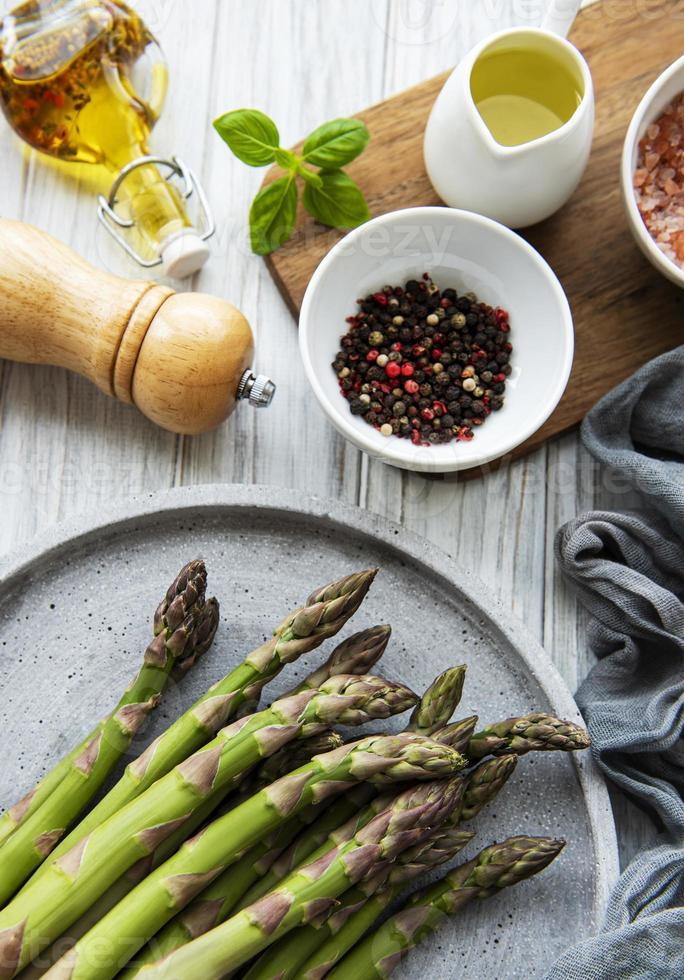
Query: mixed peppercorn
424,364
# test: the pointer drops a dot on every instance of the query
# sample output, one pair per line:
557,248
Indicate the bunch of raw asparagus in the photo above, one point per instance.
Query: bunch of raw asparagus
258,840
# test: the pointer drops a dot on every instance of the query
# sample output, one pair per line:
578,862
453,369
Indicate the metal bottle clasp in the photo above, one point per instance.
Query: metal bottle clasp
113,222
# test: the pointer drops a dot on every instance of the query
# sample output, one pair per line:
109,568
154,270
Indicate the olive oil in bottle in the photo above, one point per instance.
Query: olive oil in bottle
84,81
523,94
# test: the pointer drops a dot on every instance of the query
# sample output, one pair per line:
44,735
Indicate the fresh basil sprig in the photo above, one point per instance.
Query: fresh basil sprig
330,195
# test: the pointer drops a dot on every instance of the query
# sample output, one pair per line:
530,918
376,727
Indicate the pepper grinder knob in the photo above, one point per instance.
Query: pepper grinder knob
257,388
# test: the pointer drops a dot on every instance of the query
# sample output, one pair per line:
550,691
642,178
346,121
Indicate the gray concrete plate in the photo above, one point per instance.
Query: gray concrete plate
75,611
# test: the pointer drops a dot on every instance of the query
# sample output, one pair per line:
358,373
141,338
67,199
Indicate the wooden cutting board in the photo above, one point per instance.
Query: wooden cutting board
625,312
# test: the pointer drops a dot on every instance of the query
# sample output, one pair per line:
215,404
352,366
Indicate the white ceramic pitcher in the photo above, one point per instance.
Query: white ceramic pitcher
516,185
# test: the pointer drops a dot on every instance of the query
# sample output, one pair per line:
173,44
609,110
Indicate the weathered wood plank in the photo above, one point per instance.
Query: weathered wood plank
66,448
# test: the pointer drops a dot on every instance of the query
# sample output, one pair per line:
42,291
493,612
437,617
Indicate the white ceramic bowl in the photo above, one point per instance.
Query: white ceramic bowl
663,90
467,252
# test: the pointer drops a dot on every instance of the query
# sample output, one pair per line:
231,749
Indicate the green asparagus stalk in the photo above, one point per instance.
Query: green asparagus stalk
16,815
311,890
290,757
72,882
344,931
358,654
184,626
125,884
286,958
22,810
213,905
532,733
168,889
458,734
313,836
436,706
484,783
324,958
439,702
300,632
496,867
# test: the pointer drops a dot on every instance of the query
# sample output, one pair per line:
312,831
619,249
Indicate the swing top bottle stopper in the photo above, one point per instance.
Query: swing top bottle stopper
84,81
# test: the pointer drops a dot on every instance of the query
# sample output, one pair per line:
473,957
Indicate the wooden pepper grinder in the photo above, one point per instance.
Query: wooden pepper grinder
182,358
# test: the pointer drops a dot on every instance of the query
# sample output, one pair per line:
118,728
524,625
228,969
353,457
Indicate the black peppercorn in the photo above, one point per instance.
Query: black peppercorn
403,356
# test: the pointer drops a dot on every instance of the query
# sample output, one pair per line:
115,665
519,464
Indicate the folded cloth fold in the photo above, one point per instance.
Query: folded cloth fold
628,569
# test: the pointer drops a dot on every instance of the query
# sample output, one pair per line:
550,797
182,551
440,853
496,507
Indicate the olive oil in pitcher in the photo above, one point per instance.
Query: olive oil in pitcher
84,81
523,94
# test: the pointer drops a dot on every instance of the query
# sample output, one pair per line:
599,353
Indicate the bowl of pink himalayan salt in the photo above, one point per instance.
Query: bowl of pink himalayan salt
653,173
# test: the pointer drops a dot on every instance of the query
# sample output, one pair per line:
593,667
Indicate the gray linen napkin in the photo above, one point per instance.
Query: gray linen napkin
629,573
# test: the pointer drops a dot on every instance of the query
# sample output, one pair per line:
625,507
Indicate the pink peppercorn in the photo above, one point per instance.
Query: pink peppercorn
392,370
411,387
407,370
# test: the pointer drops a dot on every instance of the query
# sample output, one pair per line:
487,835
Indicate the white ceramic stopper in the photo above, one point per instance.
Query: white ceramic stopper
184,254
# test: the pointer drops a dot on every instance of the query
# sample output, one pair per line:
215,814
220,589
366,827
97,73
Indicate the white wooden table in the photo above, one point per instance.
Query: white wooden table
66,449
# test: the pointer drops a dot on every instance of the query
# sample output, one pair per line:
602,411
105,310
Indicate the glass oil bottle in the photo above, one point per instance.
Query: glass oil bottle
85,81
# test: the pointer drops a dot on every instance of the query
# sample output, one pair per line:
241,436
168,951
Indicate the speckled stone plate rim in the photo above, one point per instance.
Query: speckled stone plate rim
123,515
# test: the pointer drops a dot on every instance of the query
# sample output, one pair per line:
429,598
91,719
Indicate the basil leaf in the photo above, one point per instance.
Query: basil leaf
339,203
250,134
272,215
310,176
286,159
335,143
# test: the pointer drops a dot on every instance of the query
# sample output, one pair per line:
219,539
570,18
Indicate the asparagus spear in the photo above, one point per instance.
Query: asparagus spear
217,901
494,868
358,654
16,815
312,889
213,905
285,959
67,887
300,632
124,885
28,804
439,702
290,757
537,732
184,628
345,930
458,734
479,788
168,889
484,783
436,706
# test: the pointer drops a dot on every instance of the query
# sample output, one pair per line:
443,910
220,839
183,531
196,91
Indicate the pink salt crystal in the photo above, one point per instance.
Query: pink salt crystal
659,197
